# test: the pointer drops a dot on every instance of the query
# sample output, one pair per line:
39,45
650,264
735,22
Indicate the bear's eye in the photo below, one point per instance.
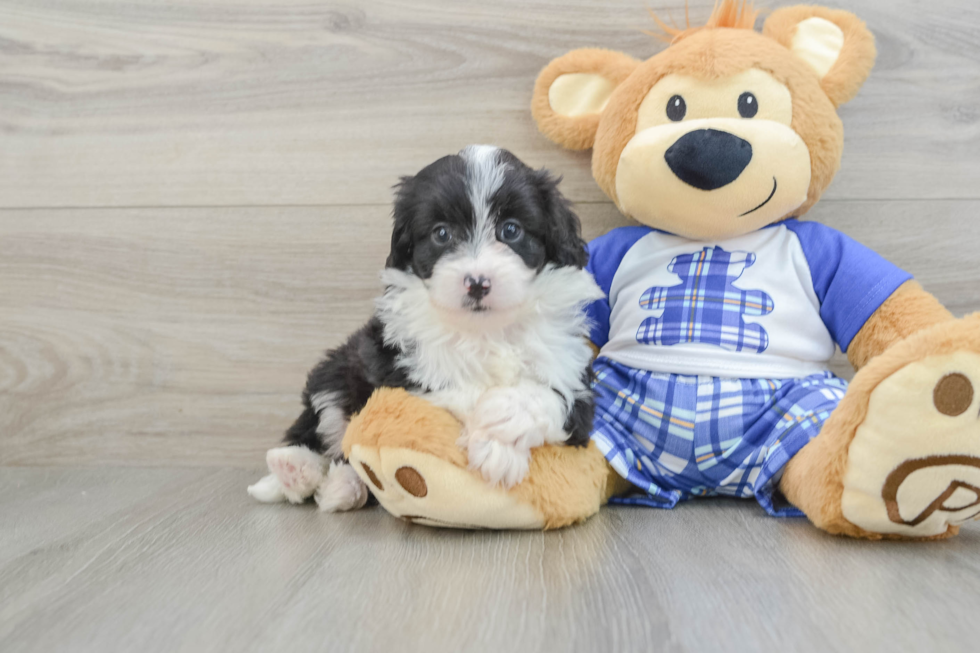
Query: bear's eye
676,108
748,106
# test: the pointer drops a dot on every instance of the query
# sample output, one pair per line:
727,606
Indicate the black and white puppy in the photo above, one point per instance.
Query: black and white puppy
482,314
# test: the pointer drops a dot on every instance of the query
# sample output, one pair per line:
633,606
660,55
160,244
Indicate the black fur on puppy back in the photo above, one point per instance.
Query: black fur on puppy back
350,374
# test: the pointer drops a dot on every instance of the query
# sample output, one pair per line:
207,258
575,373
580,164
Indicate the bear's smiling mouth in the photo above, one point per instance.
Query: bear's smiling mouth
764,203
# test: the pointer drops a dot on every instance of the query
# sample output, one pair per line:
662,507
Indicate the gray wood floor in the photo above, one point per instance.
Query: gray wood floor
180,559
194,202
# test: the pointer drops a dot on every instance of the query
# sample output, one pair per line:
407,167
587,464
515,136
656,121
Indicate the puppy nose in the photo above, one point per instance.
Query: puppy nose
477,288
708,159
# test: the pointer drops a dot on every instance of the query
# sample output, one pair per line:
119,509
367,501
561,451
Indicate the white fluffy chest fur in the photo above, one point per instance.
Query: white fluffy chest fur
457,357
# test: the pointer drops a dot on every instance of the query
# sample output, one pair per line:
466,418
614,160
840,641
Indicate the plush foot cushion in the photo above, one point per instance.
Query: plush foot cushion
900,457
405,450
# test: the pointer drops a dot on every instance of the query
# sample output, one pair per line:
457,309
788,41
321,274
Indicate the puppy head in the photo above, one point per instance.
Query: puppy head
478,227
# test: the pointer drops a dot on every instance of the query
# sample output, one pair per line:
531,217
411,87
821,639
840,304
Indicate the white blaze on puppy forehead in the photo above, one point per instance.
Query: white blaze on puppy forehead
484,177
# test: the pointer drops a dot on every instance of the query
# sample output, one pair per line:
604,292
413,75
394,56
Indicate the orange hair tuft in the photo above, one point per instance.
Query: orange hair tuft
737,14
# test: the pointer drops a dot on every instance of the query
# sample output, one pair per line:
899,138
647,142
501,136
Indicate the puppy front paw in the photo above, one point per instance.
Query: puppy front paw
499,436
498,462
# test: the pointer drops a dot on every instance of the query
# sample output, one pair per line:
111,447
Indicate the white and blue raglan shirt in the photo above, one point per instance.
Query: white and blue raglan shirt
770,304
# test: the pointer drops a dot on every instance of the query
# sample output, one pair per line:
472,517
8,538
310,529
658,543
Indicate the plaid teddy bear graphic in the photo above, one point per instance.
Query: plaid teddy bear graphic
705,307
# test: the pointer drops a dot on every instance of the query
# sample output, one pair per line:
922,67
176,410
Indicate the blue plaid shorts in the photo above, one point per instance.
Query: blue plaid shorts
677,437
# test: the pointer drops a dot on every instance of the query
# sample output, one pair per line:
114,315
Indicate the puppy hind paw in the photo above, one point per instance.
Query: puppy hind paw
299,470
267,489
341,490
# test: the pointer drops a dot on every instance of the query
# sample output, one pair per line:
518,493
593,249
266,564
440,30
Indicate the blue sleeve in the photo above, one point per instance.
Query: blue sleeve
605,254
850,280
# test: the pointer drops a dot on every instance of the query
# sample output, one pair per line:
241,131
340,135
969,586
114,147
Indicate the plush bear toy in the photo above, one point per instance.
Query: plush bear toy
723,309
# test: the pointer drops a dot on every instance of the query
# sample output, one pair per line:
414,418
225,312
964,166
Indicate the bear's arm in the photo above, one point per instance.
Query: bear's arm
605,255
908,310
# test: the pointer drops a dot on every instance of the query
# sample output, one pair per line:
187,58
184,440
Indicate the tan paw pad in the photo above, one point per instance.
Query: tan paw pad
914,463
425,489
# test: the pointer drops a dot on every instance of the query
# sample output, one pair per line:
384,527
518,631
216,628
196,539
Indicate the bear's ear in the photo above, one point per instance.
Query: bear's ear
835,43
572,91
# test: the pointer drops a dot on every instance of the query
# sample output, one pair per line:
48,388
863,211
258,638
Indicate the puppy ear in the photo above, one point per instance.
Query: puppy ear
564,245
572,91
836,44
400,256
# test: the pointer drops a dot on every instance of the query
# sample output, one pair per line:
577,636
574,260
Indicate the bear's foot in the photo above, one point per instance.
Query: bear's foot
914,464
900,457
405,450
424,489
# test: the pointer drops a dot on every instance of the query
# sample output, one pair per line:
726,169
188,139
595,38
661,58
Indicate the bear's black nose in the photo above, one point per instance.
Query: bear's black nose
708,159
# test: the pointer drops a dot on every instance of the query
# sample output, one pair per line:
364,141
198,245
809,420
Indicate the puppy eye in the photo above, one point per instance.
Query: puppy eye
511,231
441,235
676,108
748,106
